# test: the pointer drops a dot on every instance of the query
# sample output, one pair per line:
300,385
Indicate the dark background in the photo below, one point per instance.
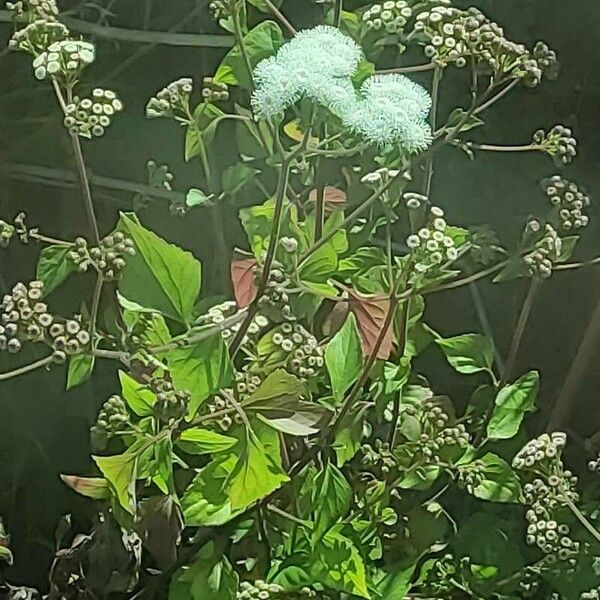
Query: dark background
44,431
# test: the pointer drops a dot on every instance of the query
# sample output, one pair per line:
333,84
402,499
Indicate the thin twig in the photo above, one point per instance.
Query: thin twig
282,18
27,368
409,69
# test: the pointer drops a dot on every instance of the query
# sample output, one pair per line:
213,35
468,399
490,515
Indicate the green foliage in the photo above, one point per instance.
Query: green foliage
294,437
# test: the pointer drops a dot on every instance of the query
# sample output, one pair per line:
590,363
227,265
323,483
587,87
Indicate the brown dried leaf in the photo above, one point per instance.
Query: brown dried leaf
242,277
371,313
334,197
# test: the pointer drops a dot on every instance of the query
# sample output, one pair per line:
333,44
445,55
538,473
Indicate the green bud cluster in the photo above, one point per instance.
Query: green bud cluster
274,303
219,9
558,143
7,232
214,91
431,246
472,475
379,457
171,101
219,404
34,9
569,201
89,117
541,451
439,579
259,590
485,245
66,59
457,36
110,258
289,244
388,17
23,316
305,356
547,251
113,419
37,36
171,405
594,465
69,336
529,583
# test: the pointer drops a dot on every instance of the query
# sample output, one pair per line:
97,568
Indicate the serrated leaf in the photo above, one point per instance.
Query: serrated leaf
260,42
468,353
204,441
120,472
332,496
499,482
202,369
207,118
160,276
137,396
371,313
512,403
54,266
459,115
343,357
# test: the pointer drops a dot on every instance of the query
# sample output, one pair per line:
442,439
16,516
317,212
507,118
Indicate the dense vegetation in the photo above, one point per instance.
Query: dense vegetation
283,419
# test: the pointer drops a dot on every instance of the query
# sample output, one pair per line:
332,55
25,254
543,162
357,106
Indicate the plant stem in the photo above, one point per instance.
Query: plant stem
27,368
409,69
496,148
469,279
581,518
497,97
81,170
398,397
577,265
282,18
435,92
239,40
337,12
95,306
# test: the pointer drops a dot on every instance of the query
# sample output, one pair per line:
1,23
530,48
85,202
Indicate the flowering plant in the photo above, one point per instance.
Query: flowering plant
289,441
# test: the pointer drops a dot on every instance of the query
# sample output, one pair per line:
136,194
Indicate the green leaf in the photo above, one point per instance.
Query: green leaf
201,369
204,441
162,465
199,135
468,353
160,276
320,265
80,369
209,577
500,483
236,177
277,388
338,565
458,115
511,404
196,197
332,496
54,266
396,582
261,42
138,397
568,247
120,472
257,474
348,438
344,358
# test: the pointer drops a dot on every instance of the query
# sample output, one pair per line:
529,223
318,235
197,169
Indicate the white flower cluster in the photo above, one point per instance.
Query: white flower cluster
540,451
593,594
413,200
89,117
569,200
594,465
217,314
66,58
37,36
318,64
259,590
431,246
559,143
42,9
390,16
379,176
456,36
304,356
171,100
547,251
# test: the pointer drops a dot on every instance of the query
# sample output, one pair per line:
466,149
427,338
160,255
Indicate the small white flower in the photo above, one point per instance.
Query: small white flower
424,233
439,224
413,241
452,253
436,211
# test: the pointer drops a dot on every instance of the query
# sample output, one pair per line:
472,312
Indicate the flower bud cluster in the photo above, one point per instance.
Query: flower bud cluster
171,405
558,143
594,465
66,59
171,101
392,16
109,258
541,451
259,590
113,419
34,9
69,337
217,314
7,231
214,91
289,244
471,475
547,251
569,200
304,355
432,245
379,457
274,303
379,177
37,36
457,36
591,595
544,530
413,200
89,117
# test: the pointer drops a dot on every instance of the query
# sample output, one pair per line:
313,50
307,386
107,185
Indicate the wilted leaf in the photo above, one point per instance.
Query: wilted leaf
120,472
242,278
333,197
371,313
92,487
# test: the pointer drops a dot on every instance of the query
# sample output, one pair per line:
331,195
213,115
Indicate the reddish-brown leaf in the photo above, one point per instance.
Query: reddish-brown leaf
242,277
371,313
334,197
